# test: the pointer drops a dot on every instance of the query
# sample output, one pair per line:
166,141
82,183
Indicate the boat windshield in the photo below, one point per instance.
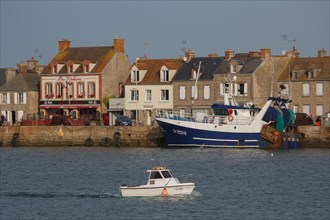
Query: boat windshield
221,112
166,174
155,175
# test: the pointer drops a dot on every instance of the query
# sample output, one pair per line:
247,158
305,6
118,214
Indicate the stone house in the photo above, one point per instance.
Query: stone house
20,93
78,81
149,88
307,83
193,84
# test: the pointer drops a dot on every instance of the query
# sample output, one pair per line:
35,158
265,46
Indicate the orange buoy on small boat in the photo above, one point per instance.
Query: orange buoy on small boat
164,192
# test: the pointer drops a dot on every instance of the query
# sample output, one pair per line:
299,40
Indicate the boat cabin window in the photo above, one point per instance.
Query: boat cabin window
221,112
155,175
166,174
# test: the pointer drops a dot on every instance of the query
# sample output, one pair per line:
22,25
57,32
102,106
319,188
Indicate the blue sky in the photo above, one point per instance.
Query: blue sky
160,29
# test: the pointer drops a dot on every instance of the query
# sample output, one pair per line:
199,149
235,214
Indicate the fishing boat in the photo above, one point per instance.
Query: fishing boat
232,125
161,182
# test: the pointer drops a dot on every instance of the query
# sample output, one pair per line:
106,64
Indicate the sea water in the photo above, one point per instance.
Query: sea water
83,183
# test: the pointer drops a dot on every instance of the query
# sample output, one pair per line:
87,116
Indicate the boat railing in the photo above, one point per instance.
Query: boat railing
205,118
188,177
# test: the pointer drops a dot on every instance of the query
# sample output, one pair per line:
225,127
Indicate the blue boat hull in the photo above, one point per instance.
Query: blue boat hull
180,136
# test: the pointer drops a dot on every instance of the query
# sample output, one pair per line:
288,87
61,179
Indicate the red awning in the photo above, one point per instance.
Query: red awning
66,106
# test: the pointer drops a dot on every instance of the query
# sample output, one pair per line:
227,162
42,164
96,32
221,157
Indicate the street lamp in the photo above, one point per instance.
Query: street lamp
136,93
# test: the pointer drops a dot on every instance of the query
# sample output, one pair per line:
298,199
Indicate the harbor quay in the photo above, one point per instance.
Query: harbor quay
130,136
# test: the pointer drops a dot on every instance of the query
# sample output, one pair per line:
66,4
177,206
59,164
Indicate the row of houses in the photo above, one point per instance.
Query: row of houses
87,82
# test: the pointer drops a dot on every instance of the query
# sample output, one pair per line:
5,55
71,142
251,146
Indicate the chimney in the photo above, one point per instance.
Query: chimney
265,53
229,54
253,53
293,54
32,64
22,67
322,53
63,44
213,55
119,45
190,54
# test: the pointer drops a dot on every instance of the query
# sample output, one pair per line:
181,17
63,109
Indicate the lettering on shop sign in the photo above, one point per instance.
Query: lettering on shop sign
176,131
69,78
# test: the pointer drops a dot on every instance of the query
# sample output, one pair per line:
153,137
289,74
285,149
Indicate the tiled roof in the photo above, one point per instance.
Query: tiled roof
208,66
152,77
250,64
22,82
320,64
99,55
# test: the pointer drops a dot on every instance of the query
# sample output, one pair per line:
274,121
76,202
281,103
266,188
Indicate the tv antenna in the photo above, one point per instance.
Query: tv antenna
145,48
284,38
37,54
184,48
294,42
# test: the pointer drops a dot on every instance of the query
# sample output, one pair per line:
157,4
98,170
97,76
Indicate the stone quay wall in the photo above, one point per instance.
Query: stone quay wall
131,136
135,136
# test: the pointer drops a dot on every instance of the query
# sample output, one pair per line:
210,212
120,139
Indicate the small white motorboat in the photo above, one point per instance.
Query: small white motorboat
160,183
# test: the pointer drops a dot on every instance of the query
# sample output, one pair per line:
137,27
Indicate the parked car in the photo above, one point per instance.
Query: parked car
303,119
123,120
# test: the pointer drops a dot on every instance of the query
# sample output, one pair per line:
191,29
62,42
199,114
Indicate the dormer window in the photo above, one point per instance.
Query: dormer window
233,68
135,76
310,74
54,68
85,66
69,67
164,76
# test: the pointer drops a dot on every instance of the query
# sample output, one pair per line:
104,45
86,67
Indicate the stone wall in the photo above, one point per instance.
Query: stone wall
135,136
315,136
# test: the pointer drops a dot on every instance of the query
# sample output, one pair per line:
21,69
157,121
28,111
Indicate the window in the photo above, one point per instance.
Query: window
194,92
49,90
81,90
310,74
294,75
164,76
166,174
148,95
319,110
306,109
164,95
295,108
182,113
206,92
59,90
305,89
91,89
233,68
135,76
241,89
69,68
134,95
20,98
155,175
69,90
182,92
319,89
5,98
54,68
222,91
86,68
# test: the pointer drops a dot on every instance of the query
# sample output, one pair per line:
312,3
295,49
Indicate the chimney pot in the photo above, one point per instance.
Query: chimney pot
190,54
322,53
265,53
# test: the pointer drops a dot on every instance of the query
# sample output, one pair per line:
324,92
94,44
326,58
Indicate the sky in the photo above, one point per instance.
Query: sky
162,29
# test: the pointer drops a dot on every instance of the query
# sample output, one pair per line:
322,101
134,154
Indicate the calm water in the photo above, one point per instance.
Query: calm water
83,183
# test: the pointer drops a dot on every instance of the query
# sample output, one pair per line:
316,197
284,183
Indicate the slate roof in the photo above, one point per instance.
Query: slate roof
99,55
152,76
250,64
22,82
322,64
208,67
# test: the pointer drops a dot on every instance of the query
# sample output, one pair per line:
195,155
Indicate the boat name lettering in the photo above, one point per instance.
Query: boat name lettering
175,131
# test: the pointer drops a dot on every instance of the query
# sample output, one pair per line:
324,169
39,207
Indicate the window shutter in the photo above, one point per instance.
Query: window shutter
20,115
15,97
235,89
8,98
245,89
221,88
206,92
24,97
132,76
182,92
162,73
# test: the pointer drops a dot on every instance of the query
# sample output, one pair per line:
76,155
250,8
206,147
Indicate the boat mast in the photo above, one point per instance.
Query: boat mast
193,97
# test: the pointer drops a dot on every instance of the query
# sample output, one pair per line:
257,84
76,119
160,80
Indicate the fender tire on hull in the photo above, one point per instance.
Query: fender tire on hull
89,142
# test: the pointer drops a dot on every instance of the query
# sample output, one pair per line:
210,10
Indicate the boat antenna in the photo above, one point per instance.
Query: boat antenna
193,97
